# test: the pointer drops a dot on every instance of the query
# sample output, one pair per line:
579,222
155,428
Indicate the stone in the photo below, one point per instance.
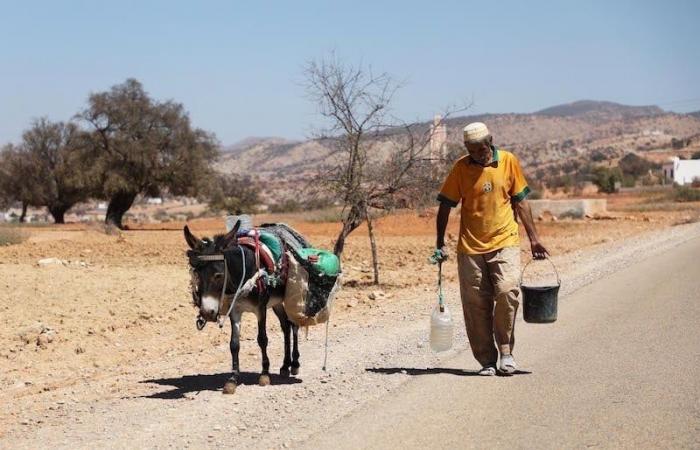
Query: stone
376,295
48,262
46,337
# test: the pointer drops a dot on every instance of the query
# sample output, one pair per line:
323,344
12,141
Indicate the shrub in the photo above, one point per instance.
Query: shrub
686,194
598,156
162,215
297,205
628,181
234,192
284,206
606,179
650,180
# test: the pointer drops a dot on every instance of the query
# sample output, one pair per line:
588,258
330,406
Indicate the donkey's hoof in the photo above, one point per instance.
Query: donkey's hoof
264,380
284,372
229,387
296,370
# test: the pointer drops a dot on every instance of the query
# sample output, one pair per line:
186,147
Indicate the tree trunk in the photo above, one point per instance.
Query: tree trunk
118,205
350,223
373,244
58,213
23,216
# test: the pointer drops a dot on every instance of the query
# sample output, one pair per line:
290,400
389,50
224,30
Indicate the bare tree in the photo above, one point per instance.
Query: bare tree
377,162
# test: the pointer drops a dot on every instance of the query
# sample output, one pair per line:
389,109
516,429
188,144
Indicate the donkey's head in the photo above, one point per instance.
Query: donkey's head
208,270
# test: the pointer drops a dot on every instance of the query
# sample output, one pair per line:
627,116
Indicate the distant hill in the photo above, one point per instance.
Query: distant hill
548,136
250,142
270,156
695,114
598,108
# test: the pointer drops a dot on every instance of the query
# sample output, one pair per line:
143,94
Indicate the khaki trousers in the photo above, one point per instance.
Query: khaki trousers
490,298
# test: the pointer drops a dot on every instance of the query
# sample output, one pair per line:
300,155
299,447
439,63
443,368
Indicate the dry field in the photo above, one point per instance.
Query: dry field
74,331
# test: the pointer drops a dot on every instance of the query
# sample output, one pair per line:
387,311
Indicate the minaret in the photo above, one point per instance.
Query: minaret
438,138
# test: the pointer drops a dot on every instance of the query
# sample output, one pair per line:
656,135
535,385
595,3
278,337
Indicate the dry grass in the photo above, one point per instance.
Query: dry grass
678,198
11,235
686,194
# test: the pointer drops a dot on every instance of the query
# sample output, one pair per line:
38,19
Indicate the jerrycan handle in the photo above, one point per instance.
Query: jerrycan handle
441,297
550,261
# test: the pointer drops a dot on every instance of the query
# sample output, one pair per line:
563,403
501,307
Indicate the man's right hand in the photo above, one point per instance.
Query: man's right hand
439,256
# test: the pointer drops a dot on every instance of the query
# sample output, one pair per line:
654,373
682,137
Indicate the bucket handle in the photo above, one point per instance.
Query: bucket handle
550,261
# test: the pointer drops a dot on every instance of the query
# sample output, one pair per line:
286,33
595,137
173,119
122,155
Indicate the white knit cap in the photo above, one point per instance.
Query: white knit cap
475,131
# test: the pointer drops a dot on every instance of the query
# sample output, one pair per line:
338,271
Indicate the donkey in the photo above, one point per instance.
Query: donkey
213,298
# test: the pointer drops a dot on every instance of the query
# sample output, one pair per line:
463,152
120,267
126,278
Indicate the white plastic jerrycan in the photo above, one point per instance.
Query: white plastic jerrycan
441,329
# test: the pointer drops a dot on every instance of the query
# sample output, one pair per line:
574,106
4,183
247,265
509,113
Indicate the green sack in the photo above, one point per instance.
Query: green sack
327,263
273,243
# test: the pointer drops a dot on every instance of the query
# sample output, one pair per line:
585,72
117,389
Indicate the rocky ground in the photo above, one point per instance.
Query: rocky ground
98,347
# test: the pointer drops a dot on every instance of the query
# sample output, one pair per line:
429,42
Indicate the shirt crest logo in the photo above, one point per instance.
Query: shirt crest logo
488,187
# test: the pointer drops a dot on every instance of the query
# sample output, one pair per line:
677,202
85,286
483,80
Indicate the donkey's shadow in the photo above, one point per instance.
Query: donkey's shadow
213,382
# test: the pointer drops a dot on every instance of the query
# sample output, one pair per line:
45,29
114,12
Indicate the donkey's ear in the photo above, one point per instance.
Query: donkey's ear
192,240
230,237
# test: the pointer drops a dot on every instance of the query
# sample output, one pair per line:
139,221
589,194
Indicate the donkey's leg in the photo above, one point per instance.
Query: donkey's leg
286,330
264,379
295,351
235,346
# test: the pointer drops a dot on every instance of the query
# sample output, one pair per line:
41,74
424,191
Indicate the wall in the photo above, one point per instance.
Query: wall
576,208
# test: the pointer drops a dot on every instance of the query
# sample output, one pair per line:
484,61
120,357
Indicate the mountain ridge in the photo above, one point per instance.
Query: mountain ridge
587,107
543,137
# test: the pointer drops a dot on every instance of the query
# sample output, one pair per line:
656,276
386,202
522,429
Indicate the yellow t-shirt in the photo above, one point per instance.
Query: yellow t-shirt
487,217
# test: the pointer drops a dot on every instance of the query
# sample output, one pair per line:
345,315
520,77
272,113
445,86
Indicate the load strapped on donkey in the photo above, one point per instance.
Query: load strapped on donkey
312,276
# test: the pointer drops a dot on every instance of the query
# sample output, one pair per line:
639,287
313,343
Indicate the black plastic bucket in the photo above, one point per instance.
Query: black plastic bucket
540,302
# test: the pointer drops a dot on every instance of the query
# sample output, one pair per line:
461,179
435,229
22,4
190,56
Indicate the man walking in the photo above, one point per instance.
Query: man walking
492,188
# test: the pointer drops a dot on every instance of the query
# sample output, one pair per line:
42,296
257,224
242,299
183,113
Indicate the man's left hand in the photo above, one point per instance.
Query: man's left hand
538,250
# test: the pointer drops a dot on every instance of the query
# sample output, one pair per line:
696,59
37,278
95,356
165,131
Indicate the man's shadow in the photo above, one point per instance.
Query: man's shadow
432,371
212,382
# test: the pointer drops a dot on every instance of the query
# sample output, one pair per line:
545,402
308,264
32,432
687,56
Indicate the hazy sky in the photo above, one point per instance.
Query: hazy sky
237,66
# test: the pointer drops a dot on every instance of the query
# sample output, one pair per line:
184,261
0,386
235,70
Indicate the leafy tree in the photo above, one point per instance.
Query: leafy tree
142,146
233,192
19,181
62,173
634,165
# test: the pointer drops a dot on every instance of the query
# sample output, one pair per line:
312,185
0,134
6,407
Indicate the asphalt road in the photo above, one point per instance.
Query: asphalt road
618,369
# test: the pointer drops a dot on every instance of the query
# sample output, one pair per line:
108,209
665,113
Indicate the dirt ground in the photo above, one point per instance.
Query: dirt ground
120,300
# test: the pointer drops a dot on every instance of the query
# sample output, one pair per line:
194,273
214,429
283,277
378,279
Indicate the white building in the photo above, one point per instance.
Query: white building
154,201
681,171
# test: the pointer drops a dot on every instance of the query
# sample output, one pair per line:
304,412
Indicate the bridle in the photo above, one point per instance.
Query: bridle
241,289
